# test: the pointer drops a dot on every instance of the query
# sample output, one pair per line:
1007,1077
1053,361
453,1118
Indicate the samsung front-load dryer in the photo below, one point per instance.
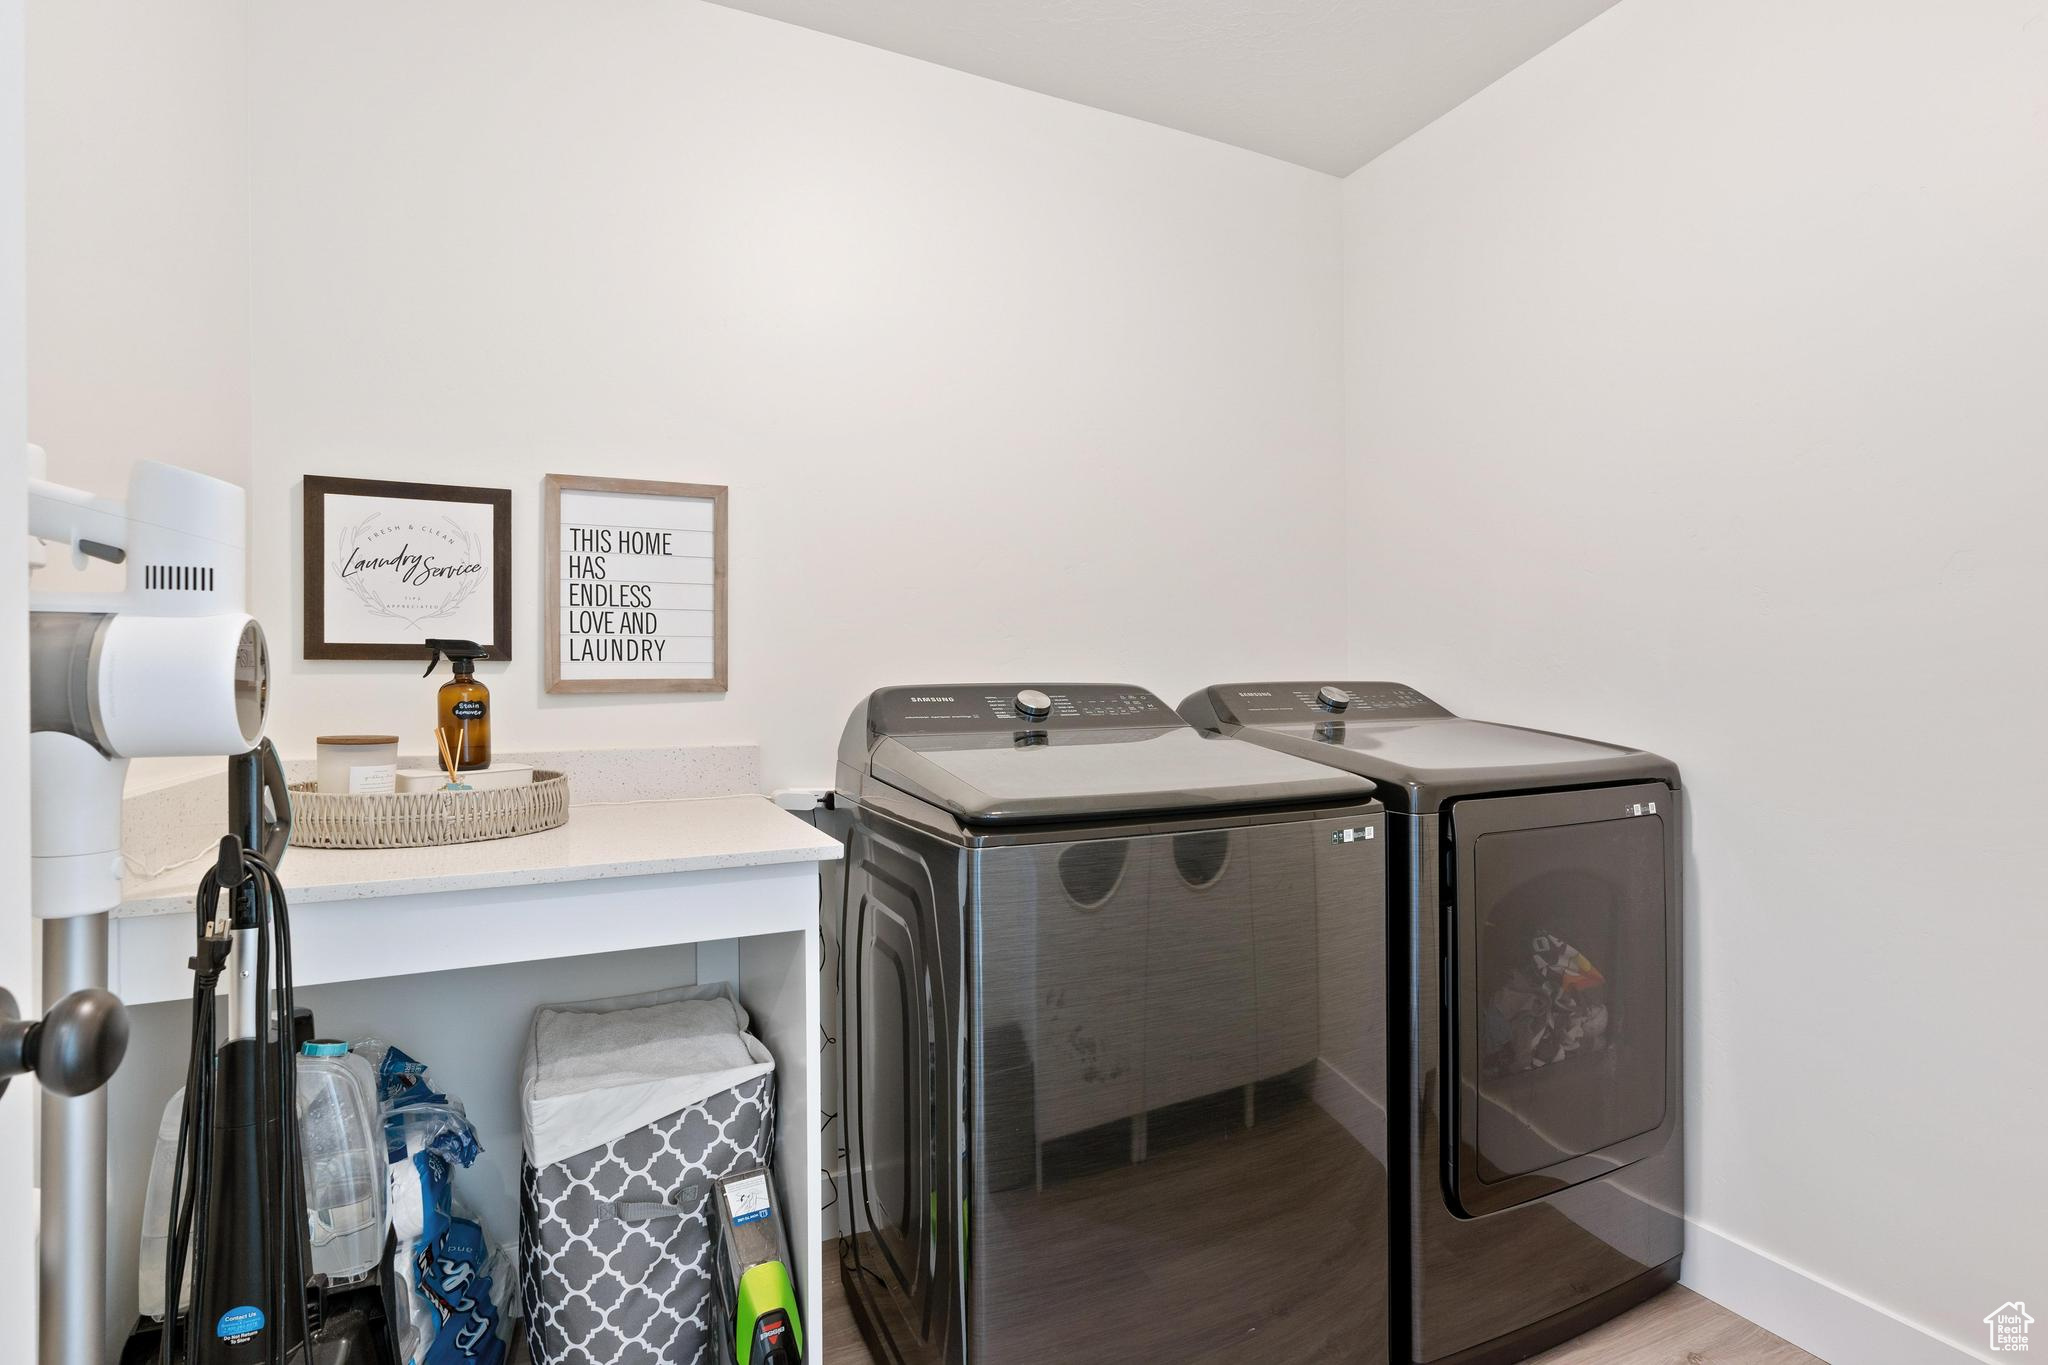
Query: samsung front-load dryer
1534,898
1112,999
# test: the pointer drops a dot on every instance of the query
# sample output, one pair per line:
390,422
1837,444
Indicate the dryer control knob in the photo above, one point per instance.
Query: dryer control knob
1333,699
1033,704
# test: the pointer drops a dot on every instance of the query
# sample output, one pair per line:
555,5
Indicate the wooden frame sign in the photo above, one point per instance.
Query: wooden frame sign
636,585
389,566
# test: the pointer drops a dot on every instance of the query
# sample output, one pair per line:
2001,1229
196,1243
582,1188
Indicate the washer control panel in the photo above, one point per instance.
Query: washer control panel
1286,703
1003,707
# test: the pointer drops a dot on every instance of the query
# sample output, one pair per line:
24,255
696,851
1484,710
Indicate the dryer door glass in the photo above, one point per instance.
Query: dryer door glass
1566,978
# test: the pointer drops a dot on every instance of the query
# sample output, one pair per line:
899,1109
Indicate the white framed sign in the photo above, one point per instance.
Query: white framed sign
636,585
389,566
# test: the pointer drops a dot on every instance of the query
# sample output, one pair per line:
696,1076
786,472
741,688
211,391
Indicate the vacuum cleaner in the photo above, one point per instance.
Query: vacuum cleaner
238,1202
757,1322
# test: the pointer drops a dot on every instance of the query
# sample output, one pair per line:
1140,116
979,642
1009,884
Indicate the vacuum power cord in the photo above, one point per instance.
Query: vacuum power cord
255,901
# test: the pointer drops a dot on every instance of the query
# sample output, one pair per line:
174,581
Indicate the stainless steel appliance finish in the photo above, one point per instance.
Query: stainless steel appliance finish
1112,1012
1535,901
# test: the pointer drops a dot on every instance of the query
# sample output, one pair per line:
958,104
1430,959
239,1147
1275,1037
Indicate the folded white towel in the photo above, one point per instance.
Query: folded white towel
597,1070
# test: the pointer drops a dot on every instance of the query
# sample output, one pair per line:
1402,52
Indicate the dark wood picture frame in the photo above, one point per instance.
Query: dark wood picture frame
551,535
319,487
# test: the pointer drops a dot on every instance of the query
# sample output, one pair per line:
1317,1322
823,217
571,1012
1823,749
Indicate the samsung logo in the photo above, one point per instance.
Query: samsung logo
931,699
1255,694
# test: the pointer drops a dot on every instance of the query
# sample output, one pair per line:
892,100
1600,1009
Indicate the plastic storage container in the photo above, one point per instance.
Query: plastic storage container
633,1109
156,1218
341,1143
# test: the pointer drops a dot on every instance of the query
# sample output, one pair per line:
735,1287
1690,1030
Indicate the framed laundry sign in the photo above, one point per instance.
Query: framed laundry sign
389,566
636,587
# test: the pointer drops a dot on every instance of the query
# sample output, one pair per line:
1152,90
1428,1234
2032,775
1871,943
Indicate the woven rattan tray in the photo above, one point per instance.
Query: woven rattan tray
422,819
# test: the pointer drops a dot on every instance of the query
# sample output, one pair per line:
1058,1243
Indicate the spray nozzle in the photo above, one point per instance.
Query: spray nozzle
462,653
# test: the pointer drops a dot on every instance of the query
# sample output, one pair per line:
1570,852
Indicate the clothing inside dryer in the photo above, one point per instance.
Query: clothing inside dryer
1553,1005
1570,1027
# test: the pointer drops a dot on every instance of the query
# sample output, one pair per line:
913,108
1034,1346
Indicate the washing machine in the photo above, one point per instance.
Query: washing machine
1112,995
1534,886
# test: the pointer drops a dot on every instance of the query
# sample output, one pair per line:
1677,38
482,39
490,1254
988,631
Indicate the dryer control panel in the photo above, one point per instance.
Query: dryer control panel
1003,707
1284,703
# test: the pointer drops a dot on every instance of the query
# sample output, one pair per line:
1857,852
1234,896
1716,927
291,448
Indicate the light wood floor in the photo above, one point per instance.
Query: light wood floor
1678,1327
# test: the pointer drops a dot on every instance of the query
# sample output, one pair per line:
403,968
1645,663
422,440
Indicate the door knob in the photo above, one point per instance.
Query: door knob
72,1050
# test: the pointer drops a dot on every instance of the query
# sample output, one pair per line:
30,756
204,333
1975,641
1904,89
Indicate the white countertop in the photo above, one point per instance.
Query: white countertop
631,839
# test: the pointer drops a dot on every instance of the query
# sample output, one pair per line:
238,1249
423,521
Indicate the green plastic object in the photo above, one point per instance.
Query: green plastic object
763,1289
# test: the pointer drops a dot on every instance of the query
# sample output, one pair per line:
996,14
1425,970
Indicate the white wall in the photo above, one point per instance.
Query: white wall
18,972
138,254
972,360
138,241
1696,394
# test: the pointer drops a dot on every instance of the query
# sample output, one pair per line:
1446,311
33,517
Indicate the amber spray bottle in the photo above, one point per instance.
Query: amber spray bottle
464,713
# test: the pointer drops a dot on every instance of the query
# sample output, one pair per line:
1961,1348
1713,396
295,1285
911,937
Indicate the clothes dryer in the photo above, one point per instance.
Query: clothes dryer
1535,902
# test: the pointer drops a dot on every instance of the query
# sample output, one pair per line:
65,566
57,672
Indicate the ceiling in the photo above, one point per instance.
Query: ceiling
1328,84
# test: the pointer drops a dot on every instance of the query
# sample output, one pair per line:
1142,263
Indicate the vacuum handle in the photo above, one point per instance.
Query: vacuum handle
251,777
73,1050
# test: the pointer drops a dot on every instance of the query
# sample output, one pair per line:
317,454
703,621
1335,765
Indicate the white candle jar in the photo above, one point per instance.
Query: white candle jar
358,765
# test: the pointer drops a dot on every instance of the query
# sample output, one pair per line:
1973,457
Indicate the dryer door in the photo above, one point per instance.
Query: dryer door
1561,989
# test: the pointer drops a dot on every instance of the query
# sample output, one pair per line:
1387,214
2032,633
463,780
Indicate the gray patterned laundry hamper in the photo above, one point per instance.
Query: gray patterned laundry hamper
632,1108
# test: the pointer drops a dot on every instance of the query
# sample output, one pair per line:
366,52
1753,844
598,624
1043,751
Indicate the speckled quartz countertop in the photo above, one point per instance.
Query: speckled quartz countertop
636,839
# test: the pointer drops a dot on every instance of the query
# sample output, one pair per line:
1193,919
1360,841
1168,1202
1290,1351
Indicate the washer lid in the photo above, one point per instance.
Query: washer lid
1420,752
1100,752
1450,745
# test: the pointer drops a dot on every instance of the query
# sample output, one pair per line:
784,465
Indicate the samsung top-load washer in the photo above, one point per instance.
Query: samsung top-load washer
1534,902
1112,1000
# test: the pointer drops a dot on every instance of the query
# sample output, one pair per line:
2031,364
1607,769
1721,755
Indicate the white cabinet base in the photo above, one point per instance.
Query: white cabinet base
392,967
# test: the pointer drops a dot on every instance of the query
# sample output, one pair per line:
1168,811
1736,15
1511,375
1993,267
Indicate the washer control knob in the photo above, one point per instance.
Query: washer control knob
1033,704
1333,699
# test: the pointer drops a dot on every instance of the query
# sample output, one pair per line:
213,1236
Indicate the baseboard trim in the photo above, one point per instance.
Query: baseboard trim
1806,1310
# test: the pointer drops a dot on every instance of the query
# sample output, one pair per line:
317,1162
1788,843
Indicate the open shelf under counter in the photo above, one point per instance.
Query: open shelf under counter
734,874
